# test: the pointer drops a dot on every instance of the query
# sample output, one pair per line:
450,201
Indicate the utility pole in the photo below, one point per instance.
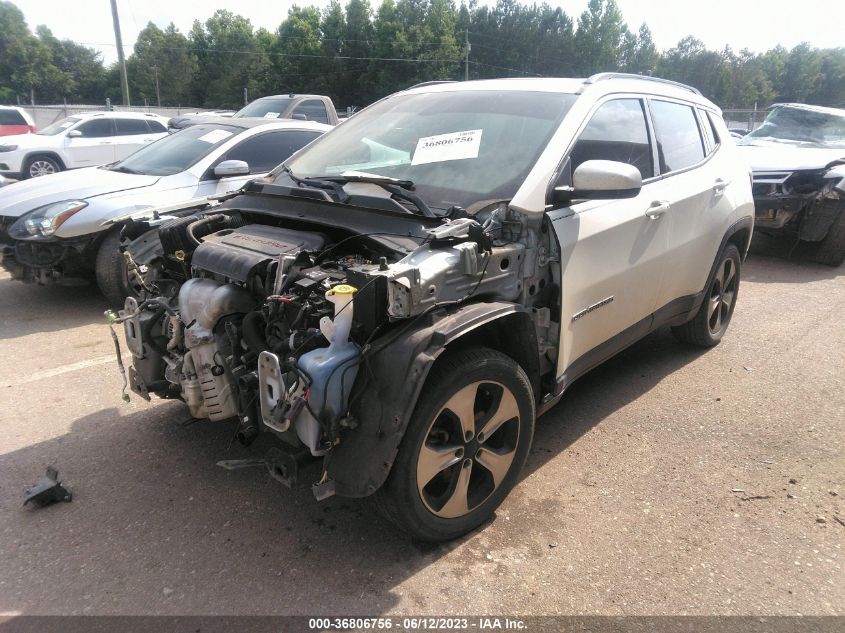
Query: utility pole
158,93
124,82
466,59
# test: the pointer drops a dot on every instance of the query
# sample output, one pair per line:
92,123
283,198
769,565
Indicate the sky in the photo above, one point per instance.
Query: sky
752,24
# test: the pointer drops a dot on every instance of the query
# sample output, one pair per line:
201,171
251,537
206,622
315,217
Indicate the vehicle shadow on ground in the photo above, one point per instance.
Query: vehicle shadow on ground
778,260
27,308
156,527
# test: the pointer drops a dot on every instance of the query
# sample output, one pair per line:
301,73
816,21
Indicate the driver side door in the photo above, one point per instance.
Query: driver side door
613,252
261,152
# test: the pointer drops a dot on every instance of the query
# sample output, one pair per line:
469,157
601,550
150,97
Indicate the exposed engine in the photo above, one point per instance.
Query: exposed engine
267,324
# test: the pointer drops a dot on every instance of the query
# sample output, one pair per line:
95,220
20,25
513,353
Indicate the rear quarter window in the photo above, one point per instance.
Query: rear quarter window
679,142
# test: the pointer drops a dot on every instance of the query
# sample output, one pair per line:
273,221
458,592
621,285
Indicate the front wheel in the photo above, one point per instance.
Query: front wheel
464,447
831,250
41,166
711,321
111,270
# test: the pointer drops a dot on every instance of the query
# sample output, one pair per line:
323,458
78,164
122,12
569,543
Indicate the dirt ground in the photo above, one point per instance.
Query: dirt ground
668,481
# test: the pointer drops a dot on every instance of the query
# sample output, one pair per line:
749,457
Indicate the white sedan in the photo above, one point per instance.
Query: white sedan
81,140
57,227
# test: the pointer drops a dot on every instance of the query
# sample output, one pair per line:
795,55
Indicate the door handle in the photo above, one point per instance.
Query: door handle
720,185
657,208
105,142
149,140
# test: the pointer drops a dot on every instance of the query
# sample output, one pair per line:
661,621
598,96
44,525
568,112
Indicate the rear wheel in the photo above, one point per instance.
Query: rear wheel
711,321
464,447
831,250
37,166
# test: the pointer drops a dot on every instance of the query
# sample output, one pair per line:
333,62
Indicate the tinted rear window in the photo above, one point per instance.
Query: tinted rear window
264,152
314,110
130,127
679,143
11,117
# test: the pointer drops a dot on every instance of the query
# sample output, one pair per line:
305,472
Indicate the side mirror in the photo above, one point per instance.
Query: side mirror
231,168
299,117
602,180
74,134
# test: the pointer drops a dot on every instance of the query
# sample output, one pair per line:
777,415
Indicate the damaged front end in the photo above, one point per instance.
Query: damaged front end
48,262
803,203
280,325
30,251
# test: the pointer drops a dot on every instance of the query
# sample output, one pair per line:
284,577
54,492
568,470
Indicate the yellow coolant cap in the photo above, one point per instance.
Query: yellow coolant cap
343,289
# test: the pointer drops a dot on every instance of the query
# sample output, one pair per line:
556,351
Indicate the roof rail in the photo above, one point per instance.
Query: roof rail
604,76
431,83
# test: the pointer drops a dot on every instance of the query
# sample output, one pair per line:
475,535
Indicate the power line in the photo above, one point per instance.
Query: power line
306,55
515,70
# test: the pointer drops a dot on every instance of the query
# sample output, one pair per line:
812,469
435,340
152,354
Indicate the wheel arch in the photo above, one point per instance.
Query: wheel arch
738,234
47,153
391,378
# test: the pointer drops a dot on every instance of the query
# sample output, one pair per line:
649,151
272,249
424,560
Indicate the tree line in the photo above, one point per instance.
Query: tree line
357,53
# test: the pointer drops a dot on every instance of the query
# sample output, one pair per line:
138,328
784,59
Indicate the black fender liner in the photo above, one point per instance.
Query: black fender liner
391,377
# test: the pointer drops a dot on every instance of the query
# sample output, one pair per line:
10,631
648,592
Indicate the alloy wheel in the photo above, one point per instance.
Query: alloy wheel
41,168
722,296
469,449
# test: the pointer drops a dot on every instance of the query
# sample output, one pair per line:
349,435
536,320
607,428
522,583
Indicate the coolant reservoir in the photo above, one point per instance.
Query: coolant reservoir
332,369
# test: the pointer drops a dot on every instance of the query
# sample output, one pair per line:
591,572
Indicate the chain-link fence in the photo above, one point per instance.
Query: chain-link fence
744,119
46,115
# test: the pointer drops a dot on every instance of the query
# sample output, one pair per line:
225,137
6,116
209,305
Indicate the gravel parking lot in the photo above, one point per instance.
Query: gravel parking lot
668,481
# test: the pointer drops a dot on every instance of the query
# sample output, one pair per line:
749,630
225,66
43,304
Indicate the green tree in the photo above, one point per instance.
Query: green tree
299,51
166,55
227,51
802,73
599,36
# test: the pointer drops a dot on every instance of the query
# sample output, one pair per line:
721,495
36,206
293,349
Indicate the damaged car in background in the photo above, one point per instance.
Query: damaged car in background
798,160
66,227
403,298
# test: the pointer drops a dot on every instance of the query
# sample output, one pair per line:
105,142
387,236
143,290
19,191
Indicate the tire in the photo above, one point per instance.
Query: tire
711,321
111,272
443,453
37,166
831,250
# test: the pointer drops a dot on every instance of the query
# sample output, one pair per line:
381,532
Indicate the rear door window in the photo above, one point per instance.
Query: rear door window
131,127
156,127
313,110
617,131
679,142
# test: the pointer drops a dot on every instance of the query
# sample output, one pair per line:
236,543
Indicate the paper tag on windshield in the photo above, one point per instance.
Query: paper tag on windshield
443,147
272,115
67,124
215,136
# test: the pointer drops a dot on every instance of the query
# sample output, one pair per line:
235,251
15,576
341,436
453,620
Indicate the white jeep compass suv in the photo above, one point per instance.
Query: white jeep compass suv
402,298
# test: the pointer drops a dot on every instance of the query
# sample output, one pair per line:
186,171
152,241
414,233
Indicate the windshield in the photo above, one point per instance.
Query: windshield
177,152
810,128
267,108
58,126
457,147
